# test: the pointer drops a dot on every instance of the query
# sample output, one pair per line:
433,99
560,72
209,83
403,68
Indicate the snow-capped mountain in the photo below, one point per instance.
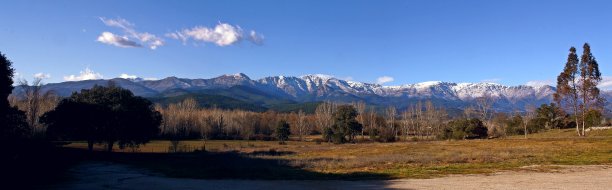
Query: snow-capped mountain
319,87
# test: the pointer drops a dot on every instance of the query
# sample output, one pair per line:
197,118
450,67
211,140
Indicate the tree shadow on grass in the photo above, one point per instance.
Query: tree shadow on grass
226,165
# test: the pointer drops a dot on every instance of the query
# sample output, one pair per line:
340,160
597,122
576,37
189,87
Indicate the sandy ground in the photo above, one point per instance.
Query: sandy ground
99,175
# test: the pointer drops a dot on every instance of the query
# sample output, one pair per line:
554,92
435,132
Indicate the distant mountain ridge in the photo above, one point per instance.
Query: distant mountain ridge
313,88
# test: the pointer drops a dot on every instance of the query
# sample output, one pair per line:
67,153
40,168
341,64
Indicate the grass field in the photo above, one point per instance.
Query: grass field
415,159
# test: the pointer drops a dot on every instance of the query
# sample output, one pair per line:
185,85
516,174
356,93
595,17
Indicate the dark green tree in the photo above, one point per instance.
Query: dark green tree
6,80
515,125
73,120
328,134
13,123
345,124
550,116
282,131
465,129
593,118
105,115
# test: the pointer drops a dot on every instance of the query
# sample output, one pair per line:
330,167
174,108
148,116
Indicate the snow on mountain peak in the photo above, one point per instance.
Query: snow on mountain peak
323,77
427,84
237,76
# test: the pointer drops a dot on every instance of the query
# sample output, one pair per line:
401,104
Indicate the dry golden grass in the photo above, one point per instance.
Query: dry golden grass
424,159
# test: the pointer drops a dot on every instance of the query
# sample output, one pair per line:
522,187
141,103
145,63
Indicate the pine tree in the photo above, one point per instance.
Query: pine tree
567,92
6,81
589,79
12,120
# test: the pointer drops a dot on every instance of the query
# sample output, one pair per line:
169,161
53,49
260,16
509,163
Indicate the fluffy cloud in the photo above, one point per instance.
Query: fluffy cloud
87,74
606,83
256,38
384,79
539,83
134,77
119,41
222,34
42,75
126,76
128,28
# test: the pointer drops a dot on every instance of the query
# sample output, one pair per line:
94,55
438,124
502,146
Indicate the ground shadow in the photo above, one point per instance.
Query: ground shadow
226,165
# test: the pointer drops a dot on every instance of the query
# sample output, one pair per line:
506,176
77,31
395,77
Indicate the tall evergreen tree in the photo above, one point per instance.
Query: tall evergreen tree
282,131
6,81
12,120
345,124
589,79
567,92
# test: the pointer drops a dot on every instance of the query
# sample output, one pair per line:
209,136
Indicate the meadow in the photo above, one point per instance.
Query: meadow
543,152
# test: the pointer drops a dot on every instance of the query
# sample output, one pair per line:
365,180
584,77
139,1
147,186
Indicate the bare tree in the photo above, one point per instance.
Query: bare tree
324,115
391,113
35,103
529,114
469,112
407,121
484,104
301,125
361,107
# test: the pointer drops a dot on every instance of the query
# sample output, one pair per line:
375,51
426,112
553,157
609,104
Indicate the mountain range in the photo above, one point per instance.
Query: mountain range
287,91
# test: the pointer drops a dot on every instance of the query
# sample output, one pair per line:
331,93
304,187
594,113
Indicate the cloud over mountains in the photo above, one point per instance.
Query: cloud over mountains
223,34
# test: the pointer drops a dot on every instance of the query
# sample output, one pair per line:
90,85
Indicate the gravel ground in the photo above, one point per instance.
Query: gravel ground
101,175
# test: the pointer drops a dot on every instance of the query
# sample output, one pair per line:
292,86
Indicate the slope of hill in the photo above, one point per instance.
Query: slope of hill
280,90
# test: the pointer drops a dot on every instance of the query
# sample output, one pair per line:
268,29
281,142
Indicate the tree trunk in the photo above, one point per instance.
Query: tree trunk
90,146
576,118
109,146
525,129
579,134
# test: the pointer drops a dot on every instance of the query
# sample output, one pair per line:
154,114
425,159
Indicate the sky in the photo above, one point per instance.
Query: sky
386,42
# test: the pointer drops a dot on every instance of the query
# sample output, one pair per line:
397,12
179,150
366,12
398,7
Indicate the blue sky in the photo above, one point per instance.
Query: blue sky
507,42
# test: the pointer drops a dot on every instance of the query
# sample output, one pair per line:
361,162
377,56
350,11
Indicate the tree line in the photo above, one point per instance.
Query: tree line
112,115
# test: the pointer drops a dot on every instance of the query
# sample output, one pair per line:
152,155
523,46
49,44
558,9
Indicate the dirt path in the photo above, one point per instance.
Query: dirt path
97,175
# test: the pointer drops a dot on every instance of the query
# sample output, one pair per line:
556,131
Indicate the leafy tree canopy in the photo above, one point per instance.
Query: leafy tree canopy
104,115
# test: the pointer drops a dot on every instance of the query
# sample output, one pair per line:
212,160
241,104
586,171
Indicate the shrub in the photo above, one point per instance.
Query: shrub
282,131
465,129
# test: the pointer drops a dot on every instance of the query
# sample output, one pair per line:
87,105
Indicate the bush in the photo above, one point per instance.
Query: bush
593,118
465,129
282,131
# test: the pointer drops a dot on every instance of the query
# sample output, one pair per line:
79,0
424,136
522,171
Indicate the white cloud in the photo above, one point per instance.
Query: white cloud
256,38
119,41
384,79
222,34
126,76
128,28
87,74
178,36
134,77
606,83
539,83
42,75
